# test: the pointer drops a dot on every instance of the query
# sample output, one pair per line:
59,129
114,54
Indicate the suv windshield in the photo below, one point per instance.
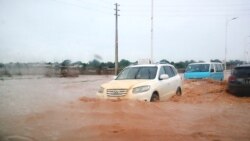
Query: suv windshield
242,72
198,68
138,73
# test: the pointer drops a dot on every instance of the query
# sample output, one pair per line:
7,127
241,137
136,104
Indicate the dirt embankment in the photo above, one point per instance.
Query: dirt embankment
207,91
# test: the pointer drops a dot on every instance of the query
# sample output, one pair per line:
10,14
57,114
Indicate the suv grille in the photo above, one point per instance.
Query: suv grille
117,92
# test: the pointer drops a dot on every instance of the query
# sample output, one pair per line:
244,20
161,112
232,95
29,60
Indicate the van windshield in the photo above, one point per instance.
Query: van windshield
138,73
198,68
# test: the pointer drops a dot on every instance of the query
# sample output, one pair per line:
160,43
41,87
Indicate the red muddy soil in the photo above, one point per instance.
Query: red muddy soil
204,112
207,91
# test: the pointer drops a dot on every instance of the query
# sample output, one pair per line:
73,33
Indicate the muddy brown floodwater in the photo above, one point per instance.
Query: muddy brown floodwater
61,109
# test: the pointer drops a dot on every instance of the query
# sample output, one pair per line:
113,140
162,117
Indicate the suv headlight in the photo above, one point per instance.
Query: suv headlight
101,90
141,89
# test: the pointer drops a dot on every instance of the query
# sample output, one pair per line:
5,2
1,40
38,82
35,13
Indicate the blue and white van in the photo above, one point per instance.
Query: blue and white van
210,70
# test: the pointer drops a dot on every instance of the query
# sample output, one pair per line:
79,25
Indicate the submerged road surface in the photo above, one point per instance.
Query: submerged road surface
36,108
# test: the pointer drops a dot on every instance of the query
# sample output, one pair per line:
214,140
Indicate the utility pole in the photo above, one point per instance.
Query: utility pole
152,19
226,26
116,37
246,50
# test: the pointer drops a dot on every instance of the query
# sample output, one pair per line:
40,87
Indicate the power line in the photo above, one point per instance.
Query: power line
181,5
182,10
162,9
106,6
101,1
189,8
82,7
215,12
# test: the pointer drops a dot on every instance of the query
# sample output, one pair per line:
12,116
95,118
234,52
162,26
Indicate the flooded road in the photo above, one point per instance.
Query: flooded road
63,109
28,94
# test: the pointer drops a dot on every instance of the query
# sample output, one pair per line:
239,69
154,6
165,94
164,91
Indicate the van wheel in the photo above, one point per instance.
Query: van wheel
155,97
178,91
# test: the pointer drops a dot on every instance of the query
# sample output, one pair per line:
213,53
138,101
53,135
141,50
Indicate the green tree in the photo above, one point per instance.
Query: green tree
66,63
215,60
234,62
1,65
110,64
180,65
79,63
94,64
124,63
164,61
183,65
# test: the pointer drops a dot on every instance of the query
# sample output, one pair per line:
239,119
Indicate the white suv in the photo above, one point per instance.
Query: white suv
151,82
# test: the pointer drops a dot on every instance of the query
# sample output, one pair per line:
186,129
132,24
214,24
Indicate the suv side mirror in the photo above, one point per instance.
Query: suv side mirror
164,76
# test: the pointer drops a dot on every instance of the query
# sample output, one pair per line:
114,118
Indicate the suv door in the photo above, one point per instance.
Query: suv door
173,80
164,86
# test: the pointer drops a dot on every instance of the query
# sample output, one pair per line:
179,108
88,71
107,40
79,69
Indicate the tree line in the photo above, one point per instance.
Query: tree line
94,65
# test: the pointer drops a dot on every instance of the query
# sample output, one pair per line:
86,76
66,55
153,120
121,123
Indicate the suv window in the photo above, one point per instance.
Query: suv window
146,73
169,71
174,70
162,71
138,73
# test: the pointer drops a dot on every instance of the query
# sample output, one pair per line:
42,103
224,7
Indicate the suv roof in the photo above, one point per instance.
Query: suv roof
242,66
206,63
150,65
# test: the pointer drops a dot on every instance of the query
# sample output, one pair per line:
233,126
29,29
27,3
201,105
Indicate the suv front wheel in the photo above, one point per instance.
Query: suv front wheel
178,91
155,97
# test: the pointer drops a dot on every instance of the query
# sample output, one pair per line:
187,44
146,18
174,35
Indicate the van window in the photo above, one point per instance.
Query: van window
212,68
198,68
218,68
221,66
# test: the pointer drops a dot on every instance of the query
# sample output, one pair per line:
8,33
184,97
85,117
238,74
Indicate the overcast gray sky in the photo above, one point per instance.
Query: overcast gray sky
54,30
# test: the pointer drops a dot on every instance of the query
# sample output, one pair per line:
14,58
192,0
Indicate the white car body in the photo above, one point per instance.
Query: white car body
163,85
